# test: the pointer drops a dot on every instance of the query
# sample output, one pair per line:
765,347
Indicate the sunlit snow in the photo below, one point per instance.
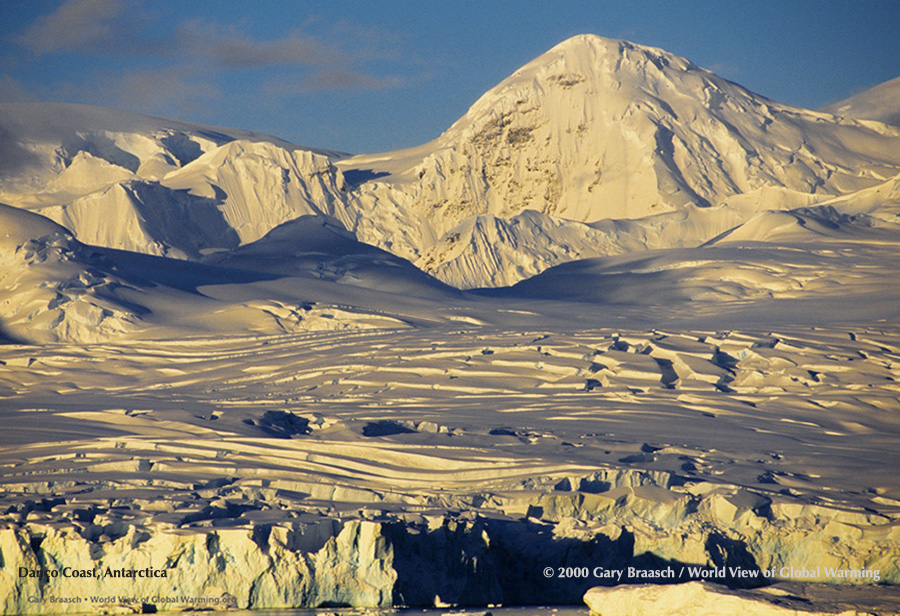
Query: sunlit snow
623,313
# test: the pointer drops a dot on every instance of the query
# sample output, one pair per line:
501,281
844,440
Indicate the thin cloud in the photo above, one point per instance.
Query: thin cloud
179,90
77,25
166,88
232,49
12,91
725,69
334,80
186,66
105,27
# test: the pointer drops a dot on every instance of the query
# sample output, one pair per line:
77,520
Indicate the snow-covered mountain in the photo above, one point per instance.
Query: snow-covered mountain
599,129
598,147
236,361
157,186
306,275
881,103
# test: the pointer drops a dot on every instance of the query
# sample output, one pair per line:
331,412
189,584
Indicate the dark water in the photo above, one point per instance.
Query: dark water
573,610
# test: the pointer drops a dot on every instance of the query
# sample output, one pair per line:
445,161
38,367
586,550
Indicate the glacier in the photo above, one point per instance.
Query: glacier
623,315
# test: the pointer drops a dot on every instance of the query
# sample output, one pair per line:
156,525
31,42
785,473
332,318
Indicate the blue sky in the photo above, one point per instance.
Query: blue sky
366,76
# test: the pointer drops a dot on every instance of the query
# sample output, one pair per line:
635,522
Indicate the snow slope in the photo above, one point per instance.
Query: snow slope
41,140
881,103
153,185
54,288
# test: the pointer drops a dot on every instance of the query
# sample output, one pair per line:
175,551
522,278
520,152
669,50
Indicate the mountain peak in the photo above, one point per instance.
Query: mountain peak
587,64
593,130
583,41
598,53
599,128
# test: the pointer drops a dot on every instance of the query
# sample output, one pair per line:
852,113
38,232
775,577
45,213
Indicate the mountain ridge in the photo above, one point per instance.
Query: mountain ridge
595,148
